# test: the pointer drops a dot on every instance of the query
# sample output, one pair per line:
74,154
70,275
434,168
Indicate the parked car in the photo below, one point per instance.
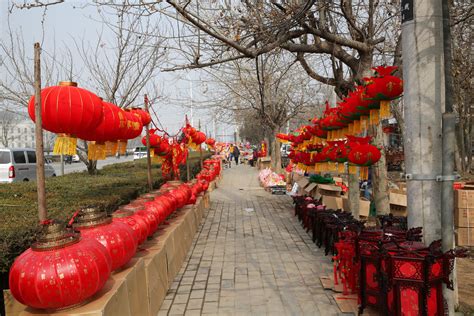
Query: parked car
19,164
140,152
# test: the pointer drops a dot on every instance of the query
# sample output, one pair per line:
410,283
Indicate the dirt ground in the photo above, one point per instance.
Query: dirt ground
465,271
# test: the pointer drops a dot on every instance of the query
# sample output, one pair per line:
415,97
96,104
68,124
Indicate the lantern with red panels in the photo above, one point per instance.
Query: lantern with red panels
67,110
60,270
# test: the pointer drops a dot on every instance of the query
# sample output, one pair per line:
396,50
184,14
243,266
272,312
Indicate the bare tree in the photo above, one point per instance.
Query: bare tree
8,120
123,67
271,89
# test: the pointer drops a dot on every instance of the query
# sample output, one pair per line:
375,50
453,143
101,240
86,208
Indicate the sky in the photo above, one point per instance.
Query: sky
72,20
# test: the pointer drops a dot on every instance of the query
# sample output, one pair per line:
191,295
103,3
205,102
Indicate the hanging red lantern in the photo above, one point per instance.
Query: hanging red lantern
60,270
67,110
118,238
362,152
132,130
144,116
339,151
384,87
107,131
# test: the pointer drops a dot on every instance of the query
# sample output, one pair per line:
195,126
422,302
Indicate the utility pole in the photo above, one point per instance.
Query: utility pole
148,156
40,182
424,98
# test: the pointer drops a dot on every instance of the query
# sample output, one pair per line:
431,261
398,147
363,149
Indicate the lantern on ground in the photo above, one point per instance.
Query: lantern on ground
136,222
67,110
118,238
60,270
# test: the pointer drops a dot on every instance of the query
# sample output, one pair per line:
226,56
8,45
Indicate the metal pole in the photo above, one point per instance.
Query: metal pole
423,74
148,156
61,171
447,220
449,141
40,182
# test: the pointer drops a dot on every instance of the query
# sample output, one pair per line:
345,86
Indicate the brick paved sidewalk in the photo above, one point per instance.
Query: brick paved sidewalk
250,257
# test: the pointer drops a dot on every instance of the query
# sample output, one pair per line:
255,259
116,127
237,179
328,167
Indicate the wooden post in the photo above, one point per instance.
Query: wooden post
188,171
148,157
40,182
200,146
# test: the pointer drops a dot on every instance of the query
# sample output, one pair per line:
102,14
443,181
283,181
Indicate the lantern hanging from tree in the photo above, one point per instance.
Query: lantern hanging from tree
107,131
384,87
67,110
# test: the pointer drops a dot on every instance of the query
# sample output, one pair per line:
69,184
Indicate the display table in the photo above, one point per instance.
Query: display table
141,286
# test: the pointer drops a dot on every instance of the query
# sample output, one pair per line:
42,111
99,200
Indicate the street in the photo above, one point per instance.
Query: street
80,166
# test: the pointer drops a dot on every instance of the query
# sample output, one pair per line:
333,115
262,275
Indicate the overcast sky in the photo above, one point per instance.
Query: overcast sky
71,20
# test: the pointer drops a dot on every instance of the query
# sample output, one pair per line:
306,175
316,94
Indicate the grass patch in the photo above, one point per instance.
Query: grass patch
114,185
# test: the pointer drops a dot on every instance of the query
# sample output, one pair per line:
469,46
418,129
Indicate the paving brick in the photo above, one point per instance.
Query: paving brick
250,263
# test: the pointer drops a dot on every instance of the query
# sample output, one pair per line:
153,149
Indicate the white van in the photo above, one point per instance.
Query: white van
140,152
19,164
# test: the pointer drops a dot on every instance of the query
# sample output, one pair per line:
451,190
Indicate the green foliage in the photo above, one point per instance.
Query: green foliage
114,185
315,178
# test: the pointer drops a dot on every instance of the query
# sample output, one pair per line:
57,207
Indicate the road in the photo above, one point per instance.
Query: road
80,166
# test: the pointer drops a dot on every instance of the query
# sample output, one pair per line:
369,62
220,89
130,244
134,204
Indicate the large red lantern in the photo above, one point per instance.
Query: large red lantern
144,116
60,270
67,110
363,153
384,87
136,222
118,238
107,131
132,130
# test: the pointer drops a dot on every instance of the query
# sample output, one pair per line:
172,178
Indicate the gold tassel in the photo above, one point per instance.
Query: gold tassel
352,169
350,129
340,167
356,129
385,109
122,146
65,145
112,148
158,159
364,173
364,123
374,117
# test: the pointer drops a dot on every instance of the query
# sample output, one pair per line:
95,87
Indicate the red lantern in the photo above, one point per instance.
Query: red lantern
362,153
137,223
60,270
67,110
143,115
199,138
132,130
107,131
118,238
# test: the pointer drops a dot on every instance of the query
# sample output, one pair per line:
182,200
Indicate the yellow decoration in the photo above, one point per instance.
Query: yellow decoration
350,129
356,128
364,123
374,117
65,145
96,151
340,167
352,169
385,109
122,147
111,148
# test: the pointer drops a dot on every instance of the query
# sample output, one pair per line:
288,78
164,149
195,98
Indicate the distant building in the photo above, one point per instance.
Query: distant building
22,134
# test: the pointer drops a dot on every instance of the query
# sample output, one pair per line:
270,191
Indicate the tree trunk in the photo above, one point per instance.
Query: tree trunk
380,178
92,167
276,153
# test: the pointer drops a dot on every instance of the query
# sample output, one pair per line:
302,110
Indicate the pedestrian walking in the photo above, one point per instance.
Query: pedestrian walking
236,154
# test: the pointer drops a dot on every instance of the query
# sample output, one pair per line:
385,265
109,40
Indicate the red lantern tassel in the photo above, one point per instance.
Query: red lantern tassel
364,173
385,109
374,117
65,145
122,146
112,148
340,167
352,169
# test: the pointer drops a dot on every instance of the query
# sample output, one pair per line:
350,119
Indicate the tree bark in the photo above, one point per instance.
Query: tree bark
92,167
380,177
276,153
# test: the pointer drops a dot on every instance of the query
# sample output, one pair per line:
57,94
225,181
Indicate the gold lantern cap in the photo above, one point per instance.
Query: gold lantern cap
67,84
54,235
91,217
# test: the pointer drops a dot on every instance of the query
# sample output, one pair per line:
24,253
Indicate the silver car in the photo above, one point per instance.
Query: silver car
19,164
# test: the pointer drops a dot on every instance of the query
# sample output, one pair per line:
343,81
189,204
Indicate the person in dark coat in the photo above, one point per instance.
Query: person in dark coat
236,154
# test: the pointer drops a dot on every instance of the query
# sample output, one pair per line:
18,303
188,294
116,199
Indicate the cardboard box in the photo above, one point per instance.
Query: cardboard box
329,190
398,202
264,162
364,206
302,183
465,236
311,189
464,198
332,202
464,217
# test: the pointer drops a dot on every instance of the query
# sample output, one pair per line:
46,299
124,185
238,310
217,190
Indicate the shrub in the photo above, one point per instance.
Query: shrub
114,185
